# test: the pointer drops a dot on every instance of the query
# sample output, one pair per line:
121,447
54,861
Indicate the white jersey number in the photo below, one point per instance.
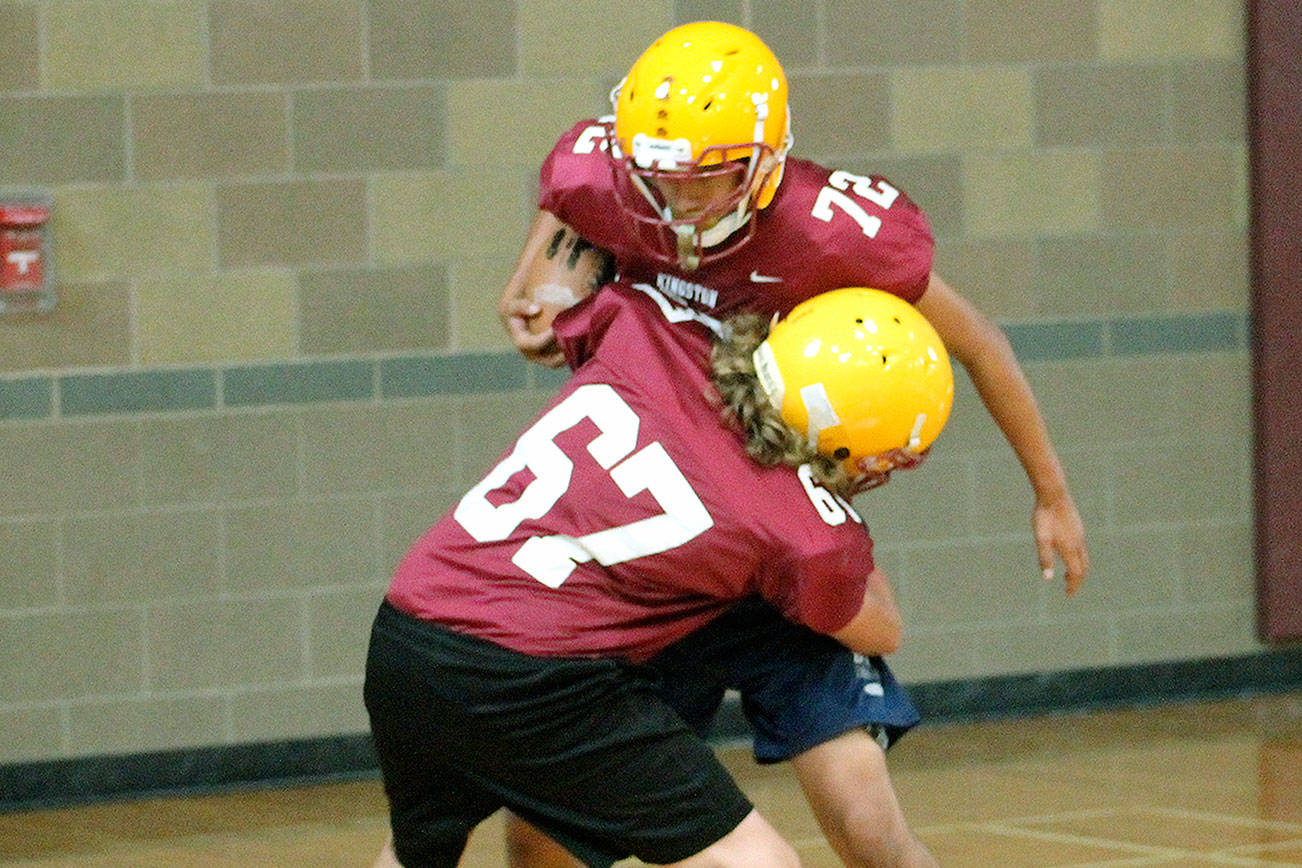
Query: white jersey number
594,138
879,193
551,559
832,508
591,139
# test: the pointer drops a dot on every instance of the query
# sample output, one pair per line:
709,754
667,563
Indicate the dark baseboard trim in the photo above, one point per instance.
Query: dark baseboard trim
188,771
1273,671
56,783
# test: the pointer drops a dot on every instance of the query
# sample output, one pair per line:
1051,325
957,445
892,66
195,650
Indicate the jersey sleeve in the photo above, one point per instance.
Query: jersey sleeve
827,588
865,230
898,257
569,168
581,329
817,574
576,185
550,171
907,247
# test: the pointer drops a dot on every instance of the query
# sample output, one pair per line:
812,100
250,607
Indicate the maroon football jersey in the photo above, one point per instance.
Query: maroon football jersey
824,230
628,513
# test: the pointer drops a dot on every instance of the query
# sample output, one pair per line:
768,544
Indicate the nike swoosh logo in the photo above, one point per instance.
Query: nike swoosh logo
756,277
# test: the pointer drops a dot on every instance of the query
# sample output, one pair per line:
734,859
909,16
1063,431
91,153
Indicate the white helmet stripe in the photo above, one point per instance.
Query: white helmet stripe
819,407
770,378
915,436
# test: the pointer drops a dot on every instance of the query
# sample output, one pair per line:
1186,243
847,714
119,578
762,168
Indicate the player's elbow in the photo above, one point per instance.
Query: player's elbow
892,644
875,634
888,639
987,347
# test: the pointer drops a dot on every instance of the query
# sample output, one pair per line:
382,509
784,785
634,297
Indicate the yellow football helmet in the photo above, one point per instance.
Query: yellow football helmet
706,100
863,375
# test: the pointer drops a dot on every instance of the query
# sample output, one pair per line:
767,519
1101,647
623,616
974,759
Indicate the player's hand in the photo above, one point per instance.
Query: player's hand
541,346
1060,533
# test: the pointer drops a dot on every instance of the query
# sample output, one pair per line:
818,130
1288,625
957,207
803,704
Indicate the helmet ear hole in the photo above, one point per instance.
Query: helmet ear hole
841,453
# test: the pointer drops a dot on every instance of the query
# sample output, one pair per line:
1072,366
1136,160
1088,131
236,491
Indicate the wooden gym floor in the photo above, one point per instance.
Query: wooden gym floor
1215,783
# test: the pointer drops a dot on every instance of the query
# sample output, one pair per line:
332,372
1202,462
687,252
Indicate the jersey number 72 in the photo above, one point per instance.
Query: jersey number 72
878,192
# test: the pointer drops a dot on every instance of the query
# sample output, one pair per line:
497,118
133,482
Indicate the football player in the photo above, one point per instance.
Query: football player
690,185
676,473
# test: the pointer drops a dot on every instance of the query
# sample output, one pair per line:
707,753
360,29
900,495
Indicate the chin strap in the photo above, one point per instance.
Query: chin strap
692,241
689,252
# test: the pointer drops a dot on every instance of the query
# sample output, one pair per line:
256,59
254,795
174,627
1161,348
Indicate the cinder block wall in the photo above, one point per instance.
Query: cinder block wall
280,227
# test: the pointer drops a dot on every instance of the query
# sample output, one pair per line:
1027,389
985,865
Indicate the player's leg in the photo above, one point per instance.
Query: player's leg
387,858
849,789
527,846
695,693
752,844
432,806
809,698
585,748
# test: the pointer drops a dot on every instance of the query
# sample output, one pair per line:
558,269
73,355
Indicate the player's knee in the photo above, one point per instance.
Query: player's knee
888,846
894,846
753,844
873,836
767,855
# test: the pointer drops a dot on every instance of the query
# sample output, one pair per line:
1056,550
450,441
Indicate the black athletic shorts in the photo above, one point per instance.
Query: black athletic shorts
583,747
798,688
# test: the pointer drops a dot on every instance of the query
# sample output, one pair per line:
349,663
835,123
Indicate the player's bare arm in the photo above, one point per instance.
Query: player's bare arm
985,353
515,308
556,269
876,629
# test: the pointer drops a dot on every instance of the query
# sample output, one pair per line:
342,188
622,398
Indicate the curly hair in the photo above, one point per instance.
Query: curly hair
769,440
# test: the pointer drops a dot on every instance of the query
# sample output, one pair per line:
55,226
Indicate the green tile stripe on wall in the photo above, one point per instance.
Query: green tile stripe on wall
1205,333
299,383
1218,331
417,376
549,379
26,398
1037,342
137,392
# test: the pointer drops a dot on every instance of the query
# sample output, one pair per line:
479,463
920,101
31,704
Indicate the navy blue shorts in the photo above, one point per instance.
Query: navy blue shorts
798,688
